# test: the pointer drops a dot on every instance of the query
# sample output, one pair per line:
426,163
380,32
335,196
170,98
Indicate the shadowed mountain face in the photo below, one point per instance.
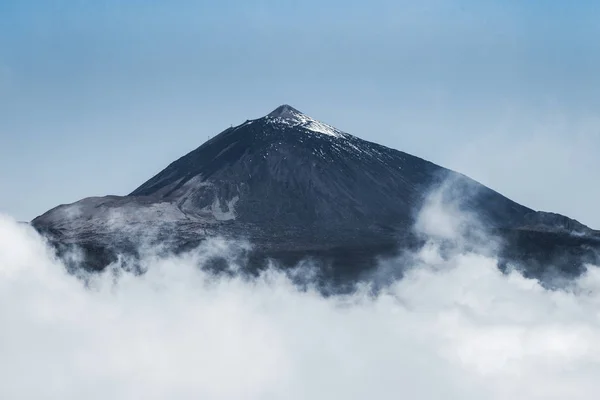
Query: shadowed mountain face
295,187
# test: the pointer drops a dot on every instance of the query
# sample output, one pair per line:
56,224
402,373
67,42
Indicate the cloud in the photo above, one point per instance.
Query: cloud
455,327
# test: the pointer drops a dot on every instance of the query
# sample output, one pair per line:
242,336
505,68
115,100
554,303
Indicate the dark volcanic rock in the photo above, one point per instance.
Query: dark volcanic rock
296,188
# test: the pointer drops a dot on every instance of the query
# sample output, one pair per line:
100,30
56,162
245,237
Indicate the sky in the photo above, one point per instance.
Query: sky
98,96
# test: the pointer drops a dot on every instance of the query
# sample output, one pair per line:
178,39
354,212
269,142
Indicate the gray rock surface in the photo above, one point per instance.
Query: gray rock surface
296,187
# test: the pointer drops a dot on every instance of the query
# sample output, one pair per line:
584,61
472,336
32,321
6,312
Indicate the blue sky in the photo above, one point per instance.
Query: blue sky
97,96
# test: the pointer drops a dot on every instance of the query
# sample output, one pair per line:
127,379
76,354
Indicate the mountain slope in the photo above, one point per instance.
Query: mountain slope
296,187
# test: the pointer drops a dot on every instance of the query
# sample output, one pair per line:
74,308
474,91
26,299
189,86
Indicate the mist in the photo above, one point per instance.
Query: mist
454,326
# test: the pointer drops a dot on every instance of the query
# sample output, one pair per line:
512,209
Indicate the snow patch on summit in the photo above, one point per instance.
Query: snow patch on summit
293,118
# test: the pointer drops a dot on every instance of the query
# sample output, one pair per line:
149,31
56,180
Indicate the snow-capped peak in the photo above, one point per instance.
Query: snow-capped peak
288,115
285,111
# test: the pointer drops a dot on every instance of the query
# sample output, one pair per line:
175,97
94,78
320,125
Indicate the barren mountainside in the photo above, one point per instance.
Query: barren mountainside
295,187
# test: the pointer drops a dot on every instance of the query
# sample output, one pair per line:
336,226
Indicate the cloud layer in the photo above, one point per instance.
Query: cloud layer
453,328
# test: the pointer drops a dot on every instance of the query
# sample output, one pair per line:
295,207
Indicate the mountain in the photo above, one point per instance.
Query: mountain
295,188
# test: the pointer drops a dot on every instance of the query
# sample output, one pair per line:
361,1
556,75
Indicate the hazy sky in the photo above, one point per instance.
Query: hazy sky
97,96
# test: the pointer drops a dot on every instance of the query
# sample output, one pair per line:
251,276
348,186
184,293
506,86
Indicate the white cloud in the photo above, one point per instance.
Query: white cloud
453,328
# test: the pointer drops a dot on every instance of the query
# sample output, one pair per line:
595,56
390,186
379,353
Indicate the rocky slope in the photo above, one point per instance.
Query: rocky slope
295,188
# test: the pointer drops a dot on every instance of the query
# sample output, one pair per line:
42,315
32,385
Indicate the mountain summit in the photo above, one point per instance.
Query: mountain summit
285,111
296,187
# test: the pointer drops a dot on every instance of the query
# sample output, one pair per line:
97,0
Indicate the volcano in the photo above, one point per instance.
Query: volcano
297,188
